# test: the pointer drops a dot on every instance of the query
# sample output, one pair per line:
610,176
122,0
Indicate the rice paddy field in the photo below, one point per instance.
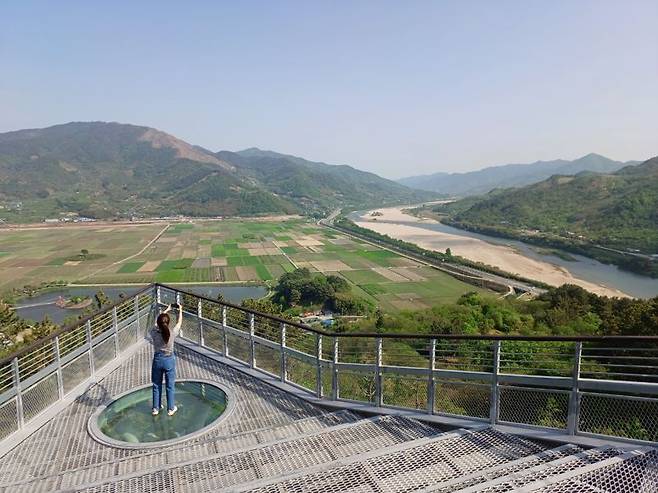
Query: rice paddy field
226,251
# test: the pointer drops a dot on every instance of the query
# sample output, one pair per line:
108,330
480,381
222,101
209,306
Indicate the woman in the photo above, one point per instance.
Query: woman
164,360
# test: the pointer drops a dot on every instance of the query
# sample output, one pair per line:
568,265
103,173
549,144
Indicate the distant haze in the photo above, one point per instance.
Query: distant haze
396,88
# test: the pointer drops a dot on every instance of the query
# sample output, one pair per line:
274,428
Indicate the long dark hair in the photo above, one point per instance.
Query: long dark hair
163,325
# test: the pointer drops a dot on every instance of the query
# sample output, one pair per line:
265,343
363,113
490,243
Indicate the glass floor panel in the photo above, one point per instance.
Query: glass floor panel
129,419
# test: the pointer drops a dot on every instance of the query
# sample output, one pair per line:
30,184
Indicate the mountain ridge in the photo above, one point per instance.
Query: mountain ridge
580,213
510,175
110,169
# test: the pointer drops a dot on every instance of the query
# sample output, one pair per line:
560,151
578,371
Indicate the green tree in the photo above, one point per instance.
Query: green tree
379,319
265,305
102,300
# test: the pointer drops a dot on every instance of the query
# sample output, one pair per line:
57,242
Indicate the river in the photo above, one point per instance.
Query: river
511,255
24,308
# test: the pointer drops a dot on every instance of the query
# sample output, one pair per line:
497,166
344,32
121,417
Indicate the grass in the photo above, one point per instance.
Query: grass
130,267
234,261
236,252
242,261
170,276
380,257
32,256
218,251
250,260
364,277
197,275
263,273
373,289
178,228
330,247
181,264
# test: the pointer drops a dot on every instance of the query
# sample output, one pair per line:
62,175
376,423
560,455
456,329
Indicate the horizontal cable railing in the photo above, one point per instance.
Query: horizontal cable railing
568,383
599,386
46,371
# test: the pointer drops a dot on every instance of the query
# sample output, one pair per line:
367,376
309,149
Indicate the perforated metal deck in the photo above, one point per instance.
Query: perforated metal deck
62,454
275,442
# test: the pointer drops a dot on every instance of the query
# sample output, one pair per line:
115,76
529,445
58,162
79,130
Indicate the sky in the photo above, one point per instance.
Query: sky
396,88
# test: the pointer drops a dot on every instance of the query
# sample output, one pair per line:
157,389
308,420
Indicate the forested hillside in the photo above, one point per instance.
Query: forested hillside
617,211
107,170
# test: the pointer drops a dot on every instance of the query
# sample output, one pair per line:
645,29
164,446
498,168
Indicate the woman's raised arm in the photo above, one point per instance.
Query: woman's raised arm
179,321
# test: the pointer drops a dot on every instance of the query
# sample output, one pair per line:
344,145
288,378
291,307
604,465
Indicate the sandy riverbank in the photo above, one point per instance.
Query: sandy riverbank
503,257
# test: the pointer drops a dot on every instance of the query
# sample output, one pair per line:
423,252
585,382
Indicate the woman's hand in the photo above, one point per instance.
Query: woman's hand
167,310
179,321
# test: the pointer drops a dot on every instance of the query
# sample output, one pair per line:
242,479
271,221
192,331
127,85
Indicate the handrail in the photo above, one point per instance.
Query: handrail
408,335
369,335
568,387
65,328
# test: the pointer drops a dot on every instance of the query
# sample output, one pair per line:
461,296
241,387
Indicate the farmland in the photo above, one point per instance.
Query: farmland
255,251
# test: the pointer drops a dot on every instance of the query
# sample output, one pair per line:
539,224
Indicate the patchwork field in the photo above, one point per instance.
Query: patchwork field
219,251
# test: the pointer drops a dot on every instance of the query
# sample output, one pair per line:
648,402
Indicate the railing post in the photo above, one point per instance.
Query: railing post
58,362
177,299
252,343
115,329
158,295
284,363
19,393
318,363
90,348
138,328
224,335
334,371
431,384
495,390
574,399
378,372
199,316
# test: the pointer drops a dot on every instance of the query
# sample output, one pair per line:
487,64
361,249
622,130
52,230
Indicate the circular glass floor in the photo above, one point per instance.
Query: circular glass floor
128,420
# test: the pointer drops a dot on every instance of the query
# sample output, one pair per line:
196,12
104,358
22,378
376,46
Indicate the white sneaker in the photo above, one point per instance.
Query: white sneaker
155,411
171,412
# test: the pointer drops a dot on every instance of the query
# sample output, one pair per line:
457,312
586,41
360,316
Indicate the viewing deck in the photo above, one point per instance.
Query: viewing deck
313,411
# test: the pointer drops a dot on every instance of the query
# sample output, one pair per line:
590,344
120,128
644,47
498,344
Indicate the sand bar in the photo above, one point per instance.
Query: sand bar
503,257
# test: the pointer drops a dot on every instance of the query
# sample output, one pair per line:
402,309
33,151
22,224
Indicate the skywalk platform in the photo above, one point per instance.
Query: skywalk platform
279,437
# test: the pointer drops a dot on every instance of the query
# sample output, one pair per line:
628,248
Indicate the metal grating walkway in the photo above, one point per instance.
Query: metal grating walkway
275,442
62,450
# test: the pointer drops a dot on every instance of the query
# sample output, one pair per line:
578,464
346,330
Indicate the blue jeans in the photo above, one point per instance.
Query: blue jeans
163,365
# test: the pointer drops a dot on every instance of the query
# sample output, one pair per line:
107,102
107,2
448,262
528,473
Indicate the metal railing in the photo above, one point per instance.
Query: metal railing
47,371
599,386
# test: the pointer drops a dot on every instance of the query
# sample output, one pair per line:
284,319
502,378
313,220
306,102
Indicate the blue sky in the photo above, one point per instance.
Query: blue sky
397,88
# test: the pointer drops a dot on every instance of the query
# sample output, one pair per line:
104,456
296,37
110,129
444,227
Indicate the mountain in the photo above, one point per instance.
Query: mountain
510,175
313,184
105,170
617,210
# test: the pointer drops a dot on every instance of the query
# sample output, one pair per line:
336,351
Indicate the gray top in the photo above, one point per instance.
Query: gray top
155,336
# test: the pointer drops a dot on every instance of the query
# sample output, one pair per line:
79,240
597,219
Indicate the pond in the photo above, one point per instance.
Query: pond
42,305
